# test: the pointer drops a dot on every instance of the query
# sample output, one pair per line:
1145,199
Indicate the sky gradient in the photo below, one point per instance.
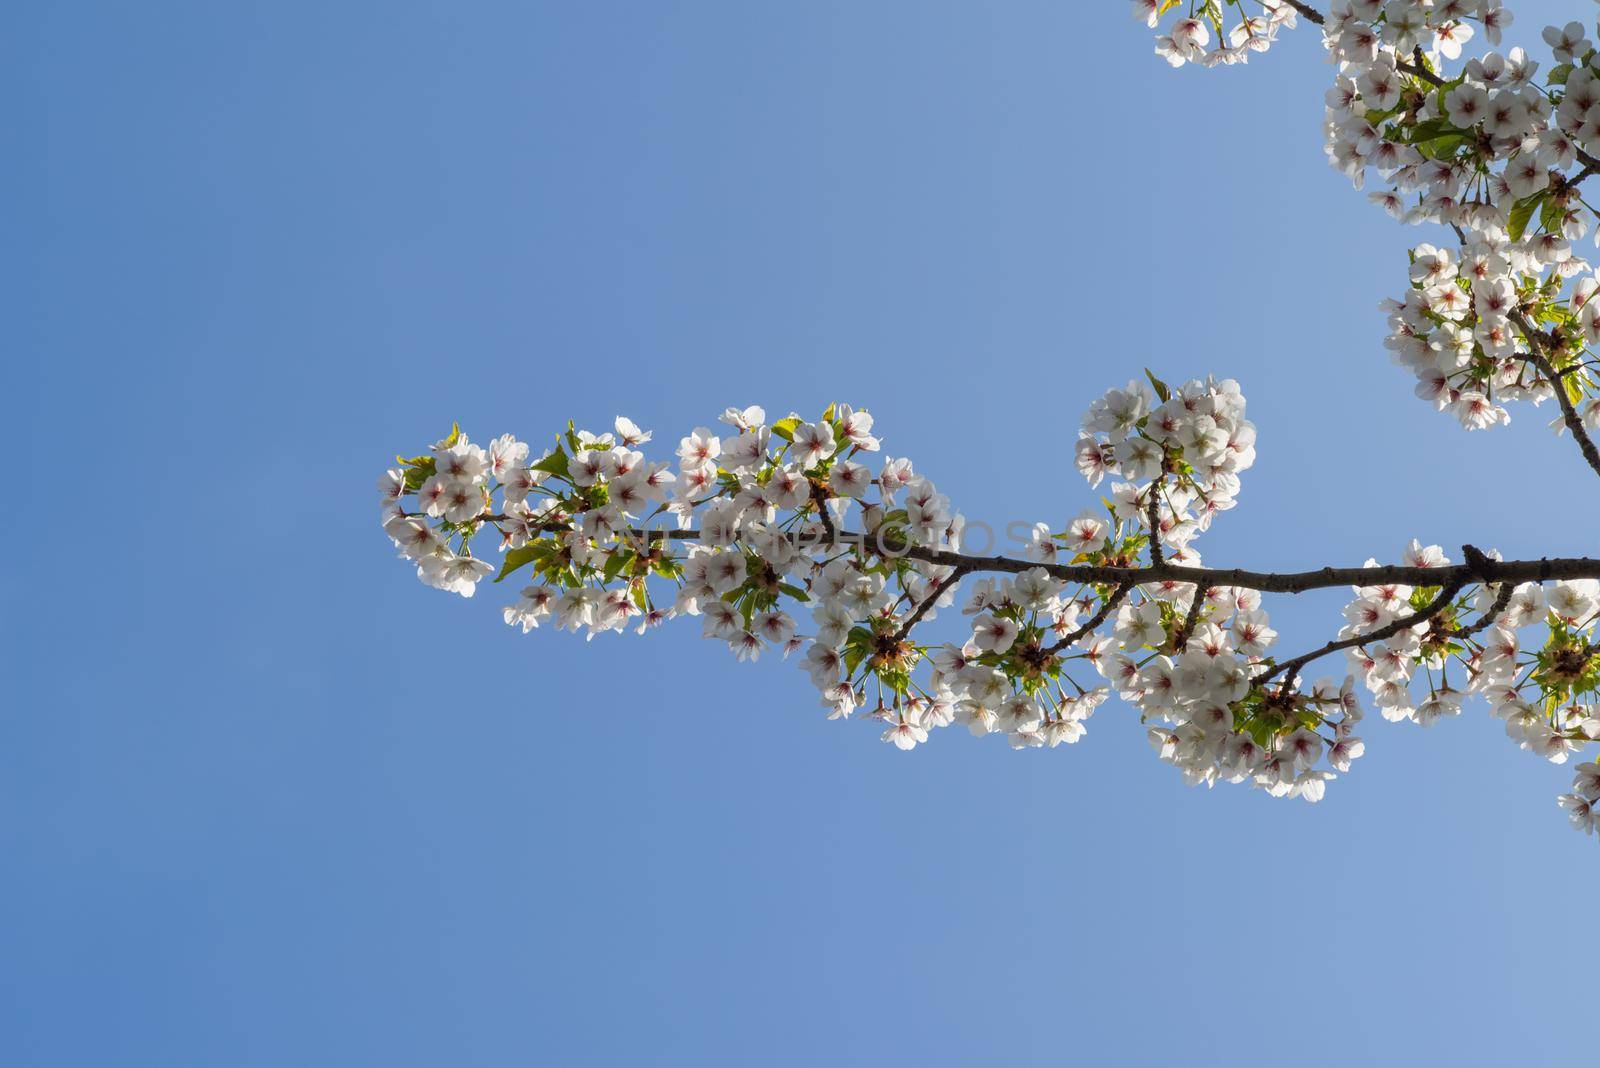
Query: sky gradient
267,800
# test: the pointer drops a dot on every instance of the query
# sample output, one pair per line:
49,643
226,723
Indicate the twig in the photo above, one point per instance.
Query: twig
818,495
1153,511
1190,618
1427,612
938,591
1569,414
1502,598
1419,69
1307,10
1095,620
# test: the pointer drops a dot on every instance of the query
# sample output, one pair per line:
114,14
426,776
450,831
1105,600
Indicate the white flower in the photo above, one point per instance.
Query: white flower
857,428
849,479
993,634
788,489
1581,812
747,451
452,573
1251,634
628,432
699,449
905,734
813,443
506,454
745,418
462,461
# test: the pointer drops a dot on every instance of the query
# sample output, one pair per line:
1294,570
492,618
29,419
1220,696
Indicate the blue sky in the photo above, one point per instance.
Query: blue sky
266,800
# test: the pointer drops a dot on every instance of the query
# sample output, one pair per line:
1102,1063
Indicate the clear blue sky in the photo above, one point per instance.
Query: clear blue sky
266,800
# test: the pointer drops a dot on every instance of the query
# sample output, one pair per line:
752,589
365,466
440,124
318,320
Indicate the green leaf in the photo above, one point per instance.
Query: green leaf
898,681
615,563
1428,131
1522,212
784,428
1559,74
554,464
445,443
418,470
1558,314
1166,6
794,591
1443,147
1161,387
516,558
1551,216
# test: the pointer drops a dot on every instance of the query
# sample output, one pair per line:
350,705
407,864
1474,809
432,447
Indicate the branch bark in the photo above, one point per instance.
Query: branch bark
1546,569
1191,618
1153,513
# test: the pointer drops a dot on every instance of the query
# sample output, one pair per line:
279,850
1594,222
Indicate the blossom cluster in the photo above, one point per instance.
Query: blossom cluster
1499,159
1478,145
1544,691
1211,35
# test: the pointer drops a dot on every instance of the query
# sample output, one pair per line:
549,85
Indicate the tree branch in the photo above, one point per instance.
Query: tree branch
1519,571
1546,569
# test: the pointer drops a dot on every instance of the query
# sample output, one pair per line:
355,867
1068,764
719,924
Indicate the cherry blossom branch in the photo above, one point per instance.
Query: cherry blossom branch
584,524
1421,615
